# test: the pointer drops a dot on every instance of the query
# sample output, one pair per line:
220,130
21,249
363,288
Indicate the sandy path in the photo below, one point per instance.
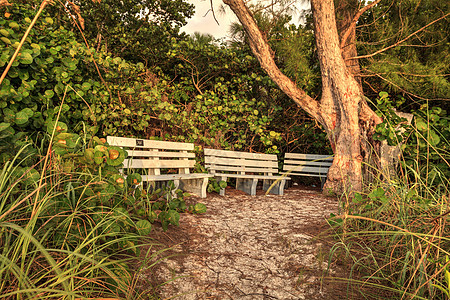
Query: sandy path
246,247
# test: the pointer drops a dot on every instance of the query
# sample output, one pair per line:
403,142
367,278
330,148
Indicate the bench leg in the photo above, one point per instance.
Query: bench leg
322,182
176,184
195,186
247,185
219,179
277,188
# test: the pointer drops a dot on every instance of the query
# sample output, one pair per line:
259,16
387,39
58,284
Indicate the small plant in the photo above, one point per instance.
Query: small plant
168,203
216,186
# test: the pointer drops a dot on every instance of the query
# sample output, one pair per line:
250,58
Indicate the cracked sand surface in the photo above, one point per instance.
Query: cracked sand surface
249,247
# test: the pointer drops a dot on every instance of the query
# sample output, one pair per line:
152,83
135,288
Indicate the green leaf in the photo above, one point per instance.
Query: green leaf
115,156
86,86
21,118
67,140
9,115
26,58
14,25
433,138
376,194
358,198
31,176
49,94
383,95
222,184
60,127
107,191
89,155
24,75
4,32
4,125
140,66
143,227
7,132
118,181
99,157
173,217
199,208
28,111
6,40
421,125
134,179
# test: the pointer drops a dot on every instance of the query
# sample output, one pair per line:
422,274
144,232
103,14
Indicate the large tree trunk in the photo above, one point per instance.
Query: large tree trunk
342,110
346,10
342,92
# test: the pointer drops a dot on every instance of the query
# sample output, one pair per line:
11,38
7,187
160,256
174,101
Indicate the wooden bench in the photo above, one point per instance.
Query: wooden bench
307,165
247,168
163,161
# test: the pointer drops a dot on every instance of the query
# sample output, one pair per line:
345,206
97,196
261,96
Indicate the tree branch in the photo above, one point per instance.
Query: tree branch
213,13
401,41
355,19
263,53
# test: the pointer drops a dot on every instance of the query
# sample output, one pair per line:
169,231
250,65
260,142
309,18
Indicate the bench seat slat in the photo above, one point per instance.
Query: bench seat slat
308,156
167,177
307,162
300,168
141,153
150,144
152,164
241,169
303,174
240,162
251,176
236,154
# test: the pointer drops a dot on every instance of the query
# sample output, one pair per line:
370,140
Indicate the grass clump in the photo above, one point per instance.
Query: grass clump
67,234
396,236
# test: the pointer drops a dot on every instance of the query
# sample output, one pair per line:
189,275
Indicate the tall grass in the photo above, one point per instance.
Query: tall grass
55,244
396,237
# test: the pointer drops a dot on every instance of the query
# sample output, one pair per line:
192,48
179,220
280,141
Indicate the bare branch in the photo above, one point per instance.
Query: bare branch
263,53
401,41
409,93
213,13
355,19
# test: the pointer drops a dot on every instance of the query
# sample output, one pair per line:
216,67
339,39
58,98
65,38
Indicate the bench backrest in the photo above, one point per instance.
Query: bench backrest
155,155
240,162
307,164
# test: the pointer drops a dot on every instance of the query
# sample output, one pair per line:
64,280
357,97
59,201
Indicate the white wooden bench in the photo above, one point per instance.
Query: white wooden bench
163,161
247,168
307,165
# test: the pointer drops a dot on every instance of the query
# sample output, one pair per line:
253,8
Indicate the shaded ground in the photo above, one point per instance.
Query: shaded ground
250,247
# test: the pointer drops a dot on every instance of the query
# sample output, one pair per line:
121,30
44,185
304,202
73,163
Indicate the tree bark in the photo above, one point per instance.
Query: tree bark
342,109
346,25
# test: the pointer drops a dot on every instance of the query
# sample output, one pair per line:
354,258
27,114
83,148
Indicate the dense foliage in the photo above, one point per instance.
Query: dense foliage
141,77
136,30
112,96
417,68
